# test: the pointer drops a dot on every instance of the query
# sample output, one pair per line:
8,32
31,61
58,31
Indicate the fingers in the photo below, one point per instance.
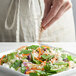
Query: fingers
48,4
62,10
69,6
53,11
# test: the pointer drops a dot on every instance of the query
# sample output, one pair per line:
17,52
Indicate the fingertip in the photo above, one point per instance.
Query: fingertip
42,24
44,28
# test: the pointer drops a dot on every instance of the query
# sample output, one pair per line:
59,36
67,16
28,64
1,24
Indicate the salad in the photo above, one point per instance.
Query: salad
37,60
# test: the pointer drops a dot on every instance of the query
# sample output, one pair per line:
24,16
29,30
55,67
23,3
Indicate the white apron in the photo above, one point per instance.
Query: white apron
28,17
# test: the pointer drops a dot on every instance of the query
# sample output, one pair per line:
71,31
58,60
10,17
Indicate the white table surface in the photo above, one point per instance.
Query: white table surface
69,46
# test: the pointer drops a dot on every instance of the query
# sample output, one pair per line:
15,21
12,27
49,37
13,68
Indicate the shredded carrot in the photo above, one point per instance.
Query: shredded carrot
69,64
25,54
27,72
45,46
39,51
17,56
21,47
44,63
1,58
42,69
38,59
33,68
36,69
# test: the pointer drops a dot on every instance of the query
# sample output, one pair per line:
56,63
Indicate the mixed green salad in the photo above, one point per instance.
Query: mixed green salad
38,60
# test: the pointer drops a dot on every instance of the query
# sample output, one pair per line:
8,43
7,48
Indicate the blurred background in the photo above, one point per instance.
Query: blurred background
74,12
3,12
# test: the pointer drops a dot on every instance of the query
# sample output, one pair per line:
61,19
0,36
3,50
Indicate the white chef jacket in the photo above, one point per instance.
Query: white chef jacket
28,16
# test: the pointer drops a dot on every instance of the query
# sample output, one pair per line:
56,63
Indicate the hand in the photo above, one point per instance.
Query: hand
54,9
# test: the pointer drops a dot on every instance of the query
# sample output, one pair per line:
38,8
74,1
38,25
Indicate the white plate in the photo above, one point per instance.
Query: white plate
9,72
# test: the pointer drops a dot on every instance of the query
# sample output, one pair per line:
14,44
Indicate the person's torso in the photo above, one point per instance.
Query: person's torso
61,30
